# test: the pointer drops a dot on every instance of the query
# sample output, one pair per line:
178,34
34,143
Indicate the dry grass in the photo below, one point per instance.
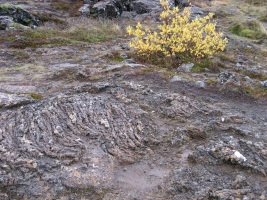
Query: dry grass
78,30
69,6
210,5
256,2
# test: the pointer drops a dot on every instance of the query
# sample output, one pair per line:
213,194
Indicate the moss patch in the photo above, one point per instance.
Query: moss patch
249,29
36,96
204,64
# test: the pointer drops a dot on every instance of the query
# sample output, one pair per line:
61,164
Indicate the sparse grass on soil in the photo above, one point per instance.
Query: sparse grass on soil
68,6
256,2
45,17
263,18
256,91
116,56
20,54
254,75
33,38
207,64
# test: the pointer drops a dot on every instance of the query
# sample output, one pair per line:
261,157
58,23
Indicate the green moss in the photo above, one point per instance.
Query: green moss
115,56
211,81
198,69
36,96
8,6
249,29
201,65
5,6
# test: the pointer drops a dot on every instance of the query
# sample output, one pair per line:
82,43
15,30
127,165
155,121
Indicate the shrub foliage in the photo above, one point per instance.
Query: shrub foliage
177,36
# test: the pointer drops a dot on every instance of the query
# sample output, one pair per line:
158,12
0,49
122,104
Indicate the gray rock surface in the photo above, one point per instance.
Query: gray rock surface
200,84
196,12
17,89
11,100
263,83
19,15
113,9
5,22
226,76
176,79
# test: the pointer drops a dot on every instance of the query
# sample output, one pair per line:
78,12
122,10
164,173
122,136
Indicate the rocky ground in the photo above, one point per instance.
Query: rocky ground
90,121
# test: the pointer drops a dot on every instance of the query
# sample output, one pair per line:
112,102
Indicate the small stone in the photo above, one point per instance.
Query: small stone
5,22
263,83
124,56
248,79
85,10
196,11
176,79
147,92
185,67
127,14
125,46
200,84
130,61
238,156
238,64
103,48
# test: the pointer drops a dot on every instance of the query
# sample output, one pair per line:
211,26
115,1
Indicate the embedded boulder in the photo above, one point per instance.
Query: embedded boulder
181,3
13,100
18,15
112,9
5,22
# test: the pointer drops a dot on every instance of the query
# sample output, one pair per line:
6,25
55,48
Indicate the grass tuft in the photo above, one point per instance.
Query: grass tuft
263,18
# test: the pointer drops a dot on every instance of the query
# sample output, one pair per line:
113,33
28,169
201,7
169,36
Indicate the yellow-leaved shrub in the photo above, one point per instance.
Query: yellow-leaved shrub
177,35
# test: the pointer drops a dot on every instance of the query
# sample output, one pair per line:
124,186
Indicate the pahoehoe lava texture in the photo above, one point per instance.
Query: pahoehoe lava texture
39,139
78,145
